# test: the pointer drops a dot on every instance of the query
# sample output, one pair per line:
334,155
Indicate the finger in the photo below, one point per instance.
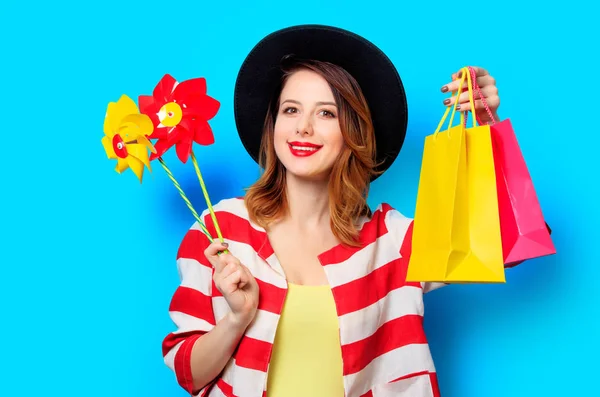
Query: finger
483,78
231,283
226,259
492,102
212,252
249,272
462,98
228,269
480,72
249,277
490,97
487,91
454,86
244,278
485,81
218,277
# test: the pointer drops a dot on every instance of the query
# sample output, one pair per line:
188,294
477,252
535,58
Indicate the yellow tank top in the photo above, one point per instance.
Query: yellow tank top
307,358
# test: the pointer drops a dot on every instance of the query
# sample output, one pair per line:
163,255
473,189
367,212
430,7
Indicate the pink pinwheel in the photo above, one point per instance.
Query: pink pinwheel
180,114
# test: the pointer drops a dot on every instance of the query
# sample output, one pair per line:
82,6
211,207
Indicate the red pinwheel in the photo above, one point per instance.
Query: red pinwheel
180,114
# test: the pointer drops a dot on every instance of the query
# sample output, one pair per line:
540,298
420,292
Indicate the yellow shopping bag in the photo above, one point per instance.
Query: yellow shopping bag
456,236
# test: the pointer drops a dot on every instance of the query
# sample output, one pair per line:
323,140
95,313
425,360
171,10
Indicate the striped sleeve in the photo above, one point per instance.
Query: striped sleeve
191,308
402,227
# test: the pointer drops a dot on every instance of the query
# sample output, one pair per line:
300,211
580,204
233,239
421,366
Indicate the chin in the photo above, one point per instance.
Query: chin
304,168
308,175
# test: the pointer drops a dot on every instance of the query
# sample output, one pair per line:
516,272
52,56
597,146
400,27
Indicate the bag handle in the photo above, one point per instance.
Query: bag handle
465,114
465,76
441,123
481,97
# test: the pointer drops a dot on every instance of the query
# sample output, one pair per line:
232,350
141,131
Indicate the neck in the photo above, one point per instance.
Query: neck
308,202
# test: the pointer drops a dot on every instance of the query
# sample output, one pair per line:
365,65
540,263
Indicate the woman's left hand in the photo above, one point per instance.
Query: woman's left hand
487,85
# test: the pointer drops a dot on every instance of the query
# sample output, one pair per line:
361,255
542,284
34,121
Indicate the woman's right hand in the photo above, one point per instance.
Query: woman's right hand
236,284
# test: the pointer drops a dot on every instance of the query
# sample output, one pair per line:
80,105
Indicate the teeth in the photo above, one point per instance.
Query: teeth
308,149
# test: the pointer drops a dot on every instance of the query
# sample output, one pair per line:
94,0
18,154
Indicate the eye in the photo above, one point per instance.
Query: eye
290,110
327,113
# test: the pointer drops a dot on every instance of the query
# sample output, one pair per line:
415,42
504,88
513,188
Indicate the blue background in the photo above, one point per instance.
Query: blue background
88,256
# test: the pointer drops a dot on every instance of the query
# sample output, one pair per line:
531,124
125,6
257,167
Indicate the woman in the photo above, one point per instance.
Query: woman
311,298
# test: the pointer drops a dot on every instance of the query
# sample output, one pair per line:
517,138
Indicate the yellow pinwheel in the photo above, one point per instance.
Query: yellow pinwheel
125,140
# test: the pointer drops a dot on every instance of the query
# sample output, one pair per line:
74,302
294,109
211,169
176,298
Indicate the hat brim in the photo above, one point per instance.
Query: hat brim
260,75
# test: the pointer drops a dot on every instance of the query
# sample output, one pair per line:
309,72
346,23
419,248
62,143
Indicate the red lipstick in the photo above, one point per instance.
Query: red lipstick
303,149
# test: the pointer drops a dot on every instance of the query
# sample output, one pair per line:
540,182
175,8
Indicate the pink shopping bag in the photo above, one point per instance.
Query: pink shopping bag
525,234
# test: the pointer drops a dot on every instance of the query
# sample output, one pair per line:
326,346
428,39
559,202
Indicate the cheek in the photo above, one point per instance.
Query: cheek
280,130
340,141
336,140
279,139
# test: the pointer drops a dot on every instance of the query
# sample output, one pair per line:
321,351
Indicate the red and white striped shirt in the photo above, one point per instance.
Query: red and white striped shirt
384,348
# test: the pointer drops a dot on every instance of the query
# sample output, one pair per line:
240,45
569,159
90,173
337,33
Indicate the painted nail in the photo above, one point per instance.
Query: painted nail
445,88
458,108
446,101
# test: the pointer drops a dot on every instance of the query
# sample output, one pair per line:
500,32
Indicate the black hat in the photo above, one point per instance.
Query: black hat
260,75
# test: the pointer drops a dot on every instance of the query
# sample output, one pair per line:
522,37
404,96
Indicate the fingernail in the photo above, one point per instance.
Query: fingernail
458,107
225,245
459,74
445,88
446,101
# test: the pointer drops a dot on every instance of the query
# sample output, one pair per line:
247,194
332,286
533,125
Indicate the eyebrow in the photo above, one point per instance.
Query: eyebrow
320,103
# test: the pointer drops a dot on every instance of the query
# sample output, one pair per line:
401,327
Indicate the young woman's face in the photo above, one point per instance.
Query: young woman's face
307,132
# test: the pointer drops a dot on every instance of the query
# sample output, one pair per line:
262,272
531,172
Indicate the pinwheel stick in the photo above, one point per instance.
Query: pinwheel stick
210,208
189,204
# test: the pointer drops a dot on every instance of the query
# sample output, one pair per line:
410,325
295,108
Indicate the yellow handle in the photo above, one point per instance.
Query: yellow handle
464,75
471,97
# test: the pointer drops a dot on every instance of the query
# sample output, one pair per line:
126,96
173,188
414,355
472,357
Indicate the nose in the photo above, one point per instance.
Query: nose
304,126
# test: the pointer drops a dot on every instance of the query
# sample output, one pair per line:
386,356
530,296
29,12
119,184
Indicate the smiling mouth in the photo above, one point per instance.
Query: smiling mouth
303,150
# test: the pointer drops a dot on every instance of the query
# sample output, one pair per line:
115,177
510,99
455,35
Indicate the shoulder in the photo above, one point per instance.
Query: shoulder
386,221
225,211
233,220
229,206
393,220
